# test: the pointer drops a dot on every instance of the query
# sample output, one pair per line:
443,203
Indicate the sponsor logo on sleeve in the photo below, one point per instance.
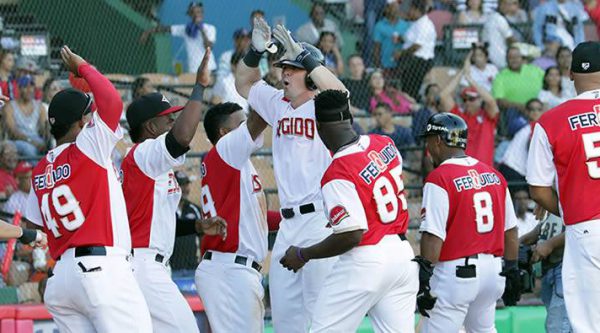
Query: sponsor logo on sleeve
337,214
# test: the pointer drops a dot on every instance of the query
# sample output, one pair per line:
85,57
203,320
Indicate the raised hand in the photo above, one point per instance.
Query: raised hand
71,60
203,74
213,226
261,34
292,48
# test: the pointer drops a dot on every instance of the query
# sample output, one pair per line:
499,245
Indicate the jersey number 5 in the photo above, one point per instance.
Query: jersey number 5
484,215
66,206
389,201
592,151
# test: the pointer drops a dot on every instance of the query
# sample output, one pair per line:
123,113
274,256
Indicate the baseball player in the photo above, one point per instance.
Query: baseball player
228,278
468,224
299,161
364,198
77,197
566,143
152,195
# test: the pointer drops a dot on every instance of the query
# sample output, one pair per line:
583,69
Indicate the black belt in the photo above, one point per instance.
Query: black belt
238,260
402,237
288,213
83,251
159,258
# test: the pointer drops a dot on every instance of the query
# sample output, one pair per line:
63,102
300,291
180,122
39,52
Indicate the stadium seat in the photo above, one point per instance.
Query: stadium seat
440,18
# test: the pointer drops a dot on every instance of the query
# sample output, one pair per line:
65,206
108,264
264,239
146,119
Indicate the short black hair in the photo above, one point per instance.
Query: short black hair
257,11
215,117
429,86
531,101
420,5
60,130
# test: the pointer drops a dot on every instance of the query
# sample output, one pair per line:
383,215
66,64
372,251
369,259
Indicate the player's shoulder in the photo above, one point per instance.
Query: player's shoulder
379,138
336,170
565,110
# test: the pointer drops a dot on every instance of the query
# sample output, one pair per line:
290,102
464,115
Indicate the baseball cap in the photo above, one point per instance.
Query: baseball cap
147,107
469,92
23,167
27,64
241,32
586,58
25,80
181,177
68,106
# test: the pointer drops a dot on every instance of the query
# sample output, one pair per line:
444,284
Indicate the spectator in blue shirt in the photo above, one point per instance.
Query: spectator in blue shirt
388,38
559,18
383,115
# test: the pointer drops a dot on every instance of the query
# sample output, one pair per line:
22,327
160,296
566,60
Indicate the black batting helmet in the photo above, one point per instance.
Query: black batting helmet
315,52
450,127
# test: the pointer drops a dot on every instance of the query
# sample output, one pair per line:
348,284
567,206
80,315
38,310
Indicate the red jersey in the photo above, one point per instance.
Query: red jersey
566,143
232,190
482,129
467,204
76,194
363,189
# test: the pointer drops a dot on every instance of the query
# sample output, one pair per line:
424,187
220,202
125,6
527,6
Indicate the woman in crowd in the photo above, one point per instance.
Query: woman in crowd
8,85
50,88
473,14
333,58
482,71
381,93
552,93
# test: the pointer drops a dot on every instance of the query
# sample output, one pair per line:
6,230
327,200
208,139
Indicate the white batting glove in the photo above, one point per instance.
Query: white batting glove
292,48
261,34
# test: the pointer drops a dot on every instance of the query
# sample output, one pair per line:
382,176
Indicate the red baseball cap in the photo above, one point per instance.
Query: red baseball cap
23,167
469,92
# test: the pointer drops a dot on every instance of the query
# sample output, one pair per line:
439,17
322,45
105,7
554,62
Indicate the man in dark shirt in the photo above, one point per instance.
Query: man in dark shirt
401,136
357,84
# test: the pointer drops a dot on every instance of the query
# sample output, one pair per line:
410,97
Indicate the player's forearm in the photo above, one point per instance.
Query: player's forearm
9,231
532,236
333,245
187,123
545,197
557,241
324,79
245,77
106,97
431,246
256,124
511,244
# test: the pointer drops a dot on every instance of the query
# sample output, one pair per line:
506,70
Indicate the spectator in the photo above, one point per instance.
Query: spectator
311,30
373,12
197,36
525,219
416,58
488,6
559,18
398,101
431,107
516,15
482,71
547,241
241,43
7,83
8,162
518,83
28,67
273,76
498,34
552,92
184,259
479,110
563,59
224,90
141,86
593,10
473,13
383,116
513,165
357,84
18,199
26,120
50,88
331,52
548,58
255,14
387,38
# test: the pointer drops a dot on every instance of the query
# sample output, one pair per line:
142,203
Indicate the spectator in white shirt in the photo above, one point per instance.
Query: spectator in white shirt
416,57
482,71
473,13
563,60
197,36
311,30
551,94
498,33
241,43
224,90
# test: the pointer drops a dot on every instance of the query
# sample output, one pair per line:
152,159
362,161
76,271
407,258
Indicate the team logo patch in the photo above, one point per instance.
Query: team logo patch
337,214
585,66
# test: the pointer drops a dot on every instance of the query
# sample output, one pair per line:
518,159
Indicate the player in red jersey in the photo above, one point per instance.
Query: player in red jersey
77,197
152,196
468,224
565,152
364,197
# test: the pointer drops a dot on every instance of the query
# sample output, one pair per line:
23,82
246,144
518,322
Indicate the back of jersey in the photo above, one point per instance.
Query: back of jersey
465,204
566,142
374,166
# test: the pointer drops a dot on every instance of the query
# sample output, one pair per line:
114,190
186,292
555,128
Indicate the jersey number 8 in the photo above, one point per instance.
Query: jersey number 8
66,206
389,201
484,214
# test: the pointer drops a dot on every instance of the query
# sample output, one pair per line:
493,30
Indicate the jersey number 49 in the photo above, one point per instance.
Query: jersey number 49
66,207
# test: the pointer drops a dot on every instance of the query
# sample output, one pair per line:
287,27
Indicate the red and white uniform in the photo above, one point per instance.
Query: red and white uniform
76,196
231,189
565,149
467,204
152,195
299,160
363,190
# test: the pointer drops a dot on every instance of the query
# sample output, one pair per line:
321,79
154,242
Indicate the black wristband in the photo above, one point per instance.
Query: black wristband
510,264
174,148
308,61
29,235
252,57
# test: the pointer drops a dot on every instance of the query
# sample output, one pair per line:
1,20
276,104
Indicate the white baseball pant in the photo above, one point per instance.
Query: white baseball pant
169,310
581,276
96,294
293,295
232,294
471,301
380,280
